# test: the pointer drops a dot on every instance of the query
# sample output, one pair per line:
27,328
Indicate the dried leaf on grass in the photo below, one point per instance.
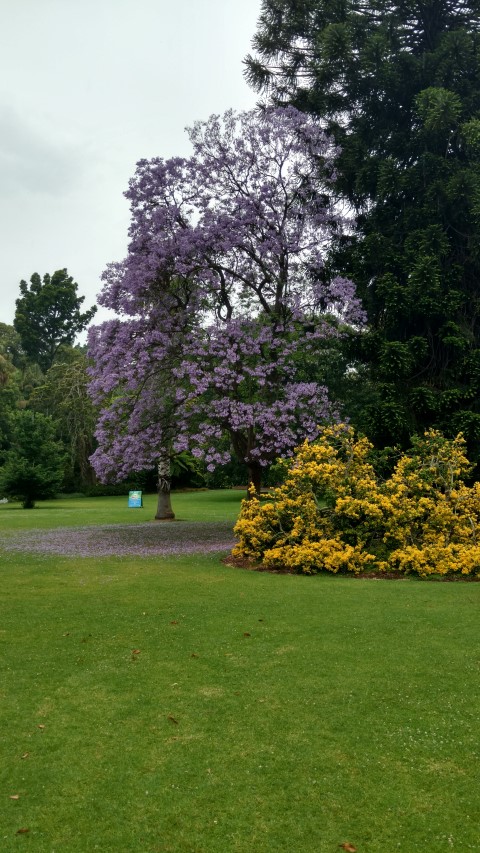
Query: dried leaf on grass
172,719
22,831
348,847
14,797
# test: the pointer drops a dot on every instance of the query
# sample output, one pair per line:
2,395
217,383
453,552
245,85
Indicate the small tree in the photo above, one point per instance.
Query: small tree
48,315
34,464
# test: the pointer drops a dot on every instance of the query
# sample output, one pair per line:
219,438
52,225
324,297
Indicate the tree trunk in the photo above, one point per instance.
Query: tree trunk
164,506
255,478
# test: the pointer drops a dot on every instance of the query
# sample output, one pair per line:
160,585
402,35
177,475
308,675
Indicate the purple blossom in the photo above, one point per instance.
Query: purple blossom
121,540
223,288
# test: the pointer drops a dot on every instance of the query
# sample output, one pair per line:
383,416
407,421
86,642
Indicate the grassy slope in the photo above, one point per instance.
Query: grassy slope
189,706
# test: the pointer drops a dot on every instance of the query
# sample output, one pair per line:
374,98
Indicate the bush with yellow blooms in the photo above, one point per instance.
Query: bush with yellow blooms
334,513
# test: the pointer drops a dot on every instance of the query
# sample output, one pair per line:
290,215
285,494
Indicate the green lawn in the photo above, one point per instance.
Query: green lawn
179,704
215,505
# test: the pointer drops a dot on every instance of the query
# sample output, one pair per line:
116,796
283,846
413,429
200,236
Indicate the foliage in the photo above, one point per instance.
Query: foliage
98,490
232,473
9,400
60,393
332,512
398,86
186,471
11,345
11,382
223,286
48,316
34,464
64,397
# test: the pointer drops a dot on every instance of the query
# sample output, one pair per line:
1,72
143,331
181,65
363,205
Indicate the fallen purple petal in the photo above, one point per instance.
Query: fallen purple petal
122,540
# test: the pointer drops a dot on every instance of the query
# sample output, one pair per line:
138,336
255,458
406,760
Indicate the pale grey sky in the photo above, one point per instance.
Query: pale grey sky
87,88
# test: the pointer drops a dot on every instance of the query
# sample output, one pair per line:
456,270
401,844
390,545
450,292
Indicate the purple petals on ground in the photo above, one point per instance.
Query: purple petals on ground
120,540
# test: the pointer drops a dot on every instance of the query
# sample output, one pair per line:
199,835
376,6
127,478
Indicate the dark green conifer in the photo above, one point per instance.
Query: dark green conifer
398,84
48,316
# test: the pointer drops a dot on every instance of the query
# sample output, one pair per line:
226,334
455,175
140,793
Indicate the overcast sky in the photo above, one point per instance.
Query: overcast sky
87,88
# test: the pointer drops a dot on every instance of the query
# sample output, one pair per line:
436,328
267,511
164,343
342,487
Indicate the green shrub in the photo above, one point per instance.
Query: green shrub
34,464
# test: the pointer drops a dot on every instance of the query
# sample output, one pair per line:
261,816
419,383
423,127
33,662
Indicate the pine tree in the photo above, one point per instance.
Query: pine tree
398,85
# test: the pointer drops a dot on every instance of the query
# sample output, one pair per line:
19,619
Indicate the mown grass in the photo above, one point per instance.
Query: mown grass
215,505
179,704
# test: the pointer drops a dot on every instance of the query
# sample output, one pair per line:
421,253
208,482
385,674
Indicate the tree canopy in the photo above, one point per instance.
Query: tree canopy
224,283
48,315
398,86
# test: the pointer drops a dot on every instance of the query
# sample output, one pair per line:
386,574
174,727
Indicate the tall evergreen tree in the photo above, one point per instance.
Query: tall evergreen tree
48,316
398,84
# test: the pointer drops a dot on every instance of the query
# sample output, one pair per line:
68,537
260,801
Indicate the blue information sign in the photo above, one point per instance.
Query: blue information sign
135,499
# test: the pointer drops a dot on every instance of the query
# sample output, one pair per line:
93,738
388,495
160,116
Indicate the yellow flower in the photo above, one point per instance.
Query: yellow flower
333,514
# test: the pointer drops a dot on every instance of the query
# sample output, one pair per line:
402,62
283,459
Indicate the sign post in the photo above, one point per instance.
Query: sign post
135,499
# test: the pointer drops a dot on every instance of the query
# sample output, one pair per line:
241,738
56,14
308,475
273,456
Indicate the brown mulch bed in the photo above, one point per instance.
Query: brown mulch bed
241,563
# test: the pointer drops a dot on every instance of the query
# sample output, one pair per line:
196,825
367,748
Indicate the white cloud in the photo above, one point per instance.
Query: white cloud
31,162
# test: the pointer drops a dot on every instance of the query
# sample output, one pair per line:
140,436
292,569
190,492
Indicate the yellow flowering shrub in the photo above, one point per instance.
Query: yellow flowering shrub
333,513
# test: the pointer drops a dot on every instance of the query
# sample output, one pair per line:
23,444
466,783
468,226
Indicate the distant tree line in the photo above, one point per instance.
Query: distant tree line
47,418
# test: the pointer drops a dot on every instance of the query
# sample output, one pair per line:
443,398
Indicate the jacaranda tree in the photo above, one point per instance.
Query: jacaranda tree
223,298
133,378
